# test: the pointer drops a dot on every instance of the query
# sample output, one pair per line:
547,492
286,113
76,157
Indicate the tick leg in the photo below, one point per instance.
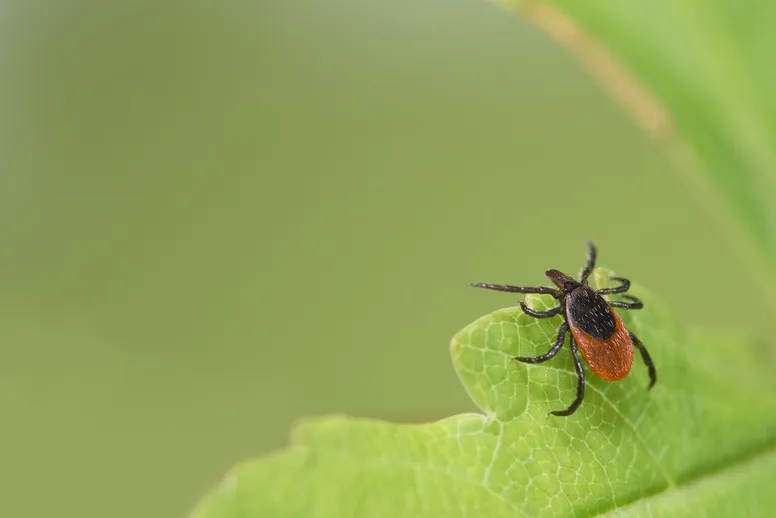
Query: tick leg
542,290
588,269
622,288
564,327
647,359
540,314
580,383
633,304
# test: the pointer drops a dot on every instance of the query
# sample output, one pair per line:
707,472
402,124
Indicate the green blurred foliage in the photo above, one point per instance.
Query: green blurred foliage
218,217
709,69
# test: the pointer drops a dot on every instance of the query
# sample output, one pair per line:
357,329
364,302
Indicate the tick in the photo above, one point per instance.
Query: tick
596,329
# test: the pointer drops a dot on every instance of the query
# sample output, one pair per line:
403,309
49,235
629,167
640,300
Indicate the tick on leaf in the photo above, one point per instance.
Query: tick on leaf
596,329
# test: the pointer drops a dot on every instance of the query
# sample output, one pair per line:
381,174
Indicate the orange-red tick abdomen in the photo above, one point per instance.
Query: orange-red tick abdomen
600,334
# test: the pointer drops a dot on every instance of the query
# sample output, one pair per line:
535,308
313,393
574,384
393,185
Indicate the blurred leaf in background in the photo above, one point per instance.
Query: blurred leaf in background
219,217
699,79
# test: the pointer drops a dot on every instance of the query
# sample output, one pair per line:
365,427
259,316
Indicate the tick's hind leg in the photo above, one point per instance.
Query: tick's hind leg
580,383
622,288
564,327
540,314
588,269
633,304
647,359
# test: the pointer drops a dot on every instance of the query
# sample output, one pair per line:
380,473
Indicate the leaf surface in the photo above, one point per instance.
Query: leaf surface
701,443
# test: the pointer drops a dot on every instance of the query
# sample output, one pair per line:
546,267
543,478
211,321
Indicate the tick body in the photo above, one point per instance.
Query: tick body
596,329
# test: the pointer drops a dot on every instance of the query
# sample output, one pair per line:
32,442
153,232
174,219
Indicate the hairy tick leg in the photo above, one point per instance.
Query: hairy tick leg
622,288
647,360
540,314
588,269
564,327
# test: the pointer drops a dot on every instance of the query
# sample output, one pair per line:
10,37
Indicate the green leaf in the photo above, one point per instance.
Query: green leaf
701,443
698,75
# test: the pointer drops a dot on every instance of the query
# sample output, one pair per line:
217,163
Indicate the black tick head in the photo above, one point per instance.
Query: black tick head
562,281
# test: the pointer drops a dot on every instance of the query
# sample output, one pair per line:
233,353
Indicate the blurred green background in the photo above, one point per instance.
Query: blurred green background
219,217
